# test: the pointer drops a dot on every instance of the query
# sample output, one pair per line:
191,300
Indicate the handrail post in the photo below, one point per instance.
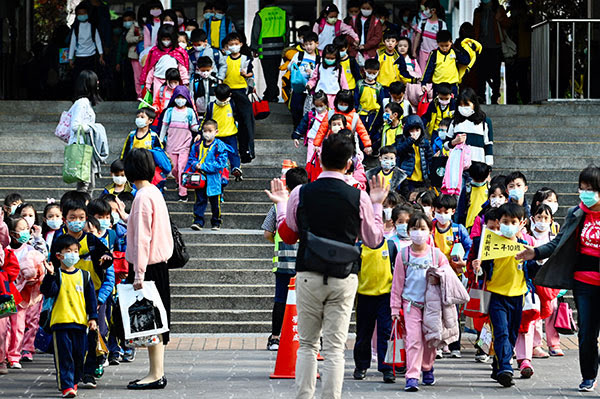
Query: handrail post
557,57
573,62
589,58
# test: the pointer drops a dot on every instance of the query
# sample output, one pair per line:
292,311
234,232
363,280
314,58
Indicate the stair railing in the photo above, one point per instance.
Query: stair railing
561,60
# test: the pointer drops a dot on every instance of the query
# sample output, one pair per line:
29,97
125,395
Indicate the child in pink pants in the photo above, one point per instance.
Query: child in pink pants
408,295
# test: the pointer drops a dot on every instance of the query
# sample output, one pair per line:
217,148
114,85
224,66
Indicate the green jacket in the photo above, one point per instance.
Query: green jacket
558,271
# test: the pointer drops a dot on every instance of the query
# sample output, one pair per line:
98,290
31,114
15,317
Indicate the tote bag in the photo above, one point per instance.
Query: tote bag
260,108
77,165
479,303
564,322
395,354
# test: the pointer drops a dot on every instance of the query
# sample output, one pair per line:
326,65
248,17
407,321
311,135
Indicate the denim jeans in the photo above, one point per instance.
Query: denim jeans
588,320
505,317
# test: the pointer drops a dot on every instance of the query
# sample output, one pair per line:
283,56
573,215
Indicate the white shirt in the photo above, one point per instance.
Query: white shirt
85,46
415,282
364,34
326,36
329,80
312,133
307,65
165,62
82,115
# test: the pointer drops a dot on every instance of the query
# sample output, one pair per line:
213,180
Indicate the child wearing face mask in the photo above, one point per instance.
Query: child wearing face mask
209,157
369,30
172,80
142,136
216,24
32,270
161,58
439,137
546,196
27,212
414,154
11,203
369,96
392,175
179,124
401,215
201,48
53,221
442,107
203,84
411,280
310,123
349,64
409,73
153,24
329,27
303,62
516,184
85,48
392,127
95,258
427,30
328,75
119,184
497,196
477,191
506,281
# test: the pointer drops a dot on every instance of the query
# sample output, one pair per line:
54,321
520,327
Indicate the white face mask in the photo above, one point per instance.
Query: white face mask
372,76
336,128
496,202
180,102
443,217
427,210
235,49
119,180
205,74
541,226
199,48
466,111
552,205
366,13
31,220
183,45
140,122
387,214
166,43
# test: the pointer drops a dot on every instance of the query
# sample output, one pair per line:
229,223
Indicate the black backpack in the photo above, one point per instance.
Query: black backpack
180,256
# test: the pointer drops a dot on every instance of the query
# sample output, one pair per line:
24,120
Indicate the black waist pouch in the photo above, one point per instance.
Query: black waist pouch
330,257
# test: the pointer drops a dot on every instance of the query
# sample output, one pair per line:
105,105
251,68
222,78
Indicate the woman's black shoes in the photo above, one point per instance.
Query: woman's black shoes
158,384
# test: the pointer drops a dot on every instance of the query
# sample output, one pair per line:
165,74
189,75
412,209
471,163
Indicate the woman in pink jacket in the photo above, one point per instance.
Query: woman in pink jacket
408,298
149,247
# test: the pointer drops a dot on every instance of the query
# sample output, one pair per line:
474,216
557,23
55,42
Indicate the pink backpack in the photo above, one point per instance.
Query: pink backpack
338,25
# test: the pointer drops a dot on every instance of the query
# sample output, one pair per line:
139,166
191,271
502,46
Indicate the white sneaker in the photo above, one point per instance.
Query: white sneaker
14,365
455,354
481,358
439,354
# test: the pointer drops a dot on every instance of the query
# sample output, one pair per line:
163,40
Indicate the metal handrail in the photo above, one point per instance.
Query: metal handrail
564,20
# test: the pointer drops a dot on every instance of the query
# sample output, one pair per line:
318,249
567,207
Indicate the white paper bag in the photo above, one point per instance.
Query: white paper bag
128,296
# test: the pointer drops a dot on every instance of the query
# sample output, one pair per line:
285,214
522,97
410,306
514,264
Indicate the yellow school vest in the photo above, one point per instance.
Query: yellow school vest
368,100
388,72
417,174
69,306
202,153
223,115
508,278
233,79
348,72
444,241
389,134
446,70
85,262
375,275
215,33
437,116
387,178
144,142
478,198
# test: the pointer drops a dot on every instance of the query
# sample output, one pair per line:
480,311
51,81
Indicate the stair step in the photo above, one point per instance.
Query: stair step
220,315
229,275
222,327
226,301
223,289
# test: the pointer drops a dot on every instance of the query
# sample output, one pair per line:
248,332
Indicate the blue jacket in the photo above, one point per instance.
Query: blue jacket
405,152
305,124
460,235
226,28
213,165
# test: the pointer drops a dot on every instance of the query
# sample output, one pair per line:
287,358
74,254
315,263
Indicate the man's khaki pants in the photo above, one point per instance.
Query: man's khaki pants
327,309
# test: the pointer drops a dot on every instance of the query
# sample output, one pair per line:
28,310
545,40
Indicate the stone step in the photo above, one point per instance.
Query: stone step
223,289
229,275
566,108
221,301
217,316
542,175
224,327
556,149
238,263
224,250
525,162
224,236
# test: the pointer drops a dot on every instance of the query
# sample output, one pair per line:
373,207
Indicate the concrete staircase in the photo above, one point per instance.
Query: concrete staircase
227,287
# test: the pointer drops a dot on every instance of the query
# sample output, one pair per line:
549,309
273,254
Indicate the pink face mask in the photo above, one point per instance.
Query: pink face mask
444,102
419,236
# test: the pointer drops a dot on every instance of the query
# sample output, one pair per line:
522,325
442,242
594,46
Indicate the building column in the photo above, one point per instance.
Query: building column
251,7
166,4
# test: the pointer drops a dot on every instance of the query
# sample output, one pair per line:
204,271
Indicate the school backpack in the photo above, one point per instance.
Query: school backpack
337,26
440,25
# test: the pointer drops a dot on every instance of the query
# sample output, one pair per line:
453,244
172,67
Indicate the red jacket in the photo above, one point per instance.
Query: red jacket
372,39
9,272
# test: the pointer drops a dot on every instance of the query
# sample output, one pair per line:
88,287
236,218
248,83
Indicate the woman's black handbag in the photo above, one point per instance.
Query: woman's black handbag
180,256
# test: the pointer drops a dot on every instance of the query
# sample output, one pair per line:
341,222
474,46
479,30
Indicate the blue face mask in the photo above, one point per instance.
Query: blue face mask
589,198
208,15
116,218
343,54
485,1
387,118
54,224
127,24
329,61
104,224
76,226
516,194
402,230
24,237
343,108
218,15
478,184
70,259
82,18
509,231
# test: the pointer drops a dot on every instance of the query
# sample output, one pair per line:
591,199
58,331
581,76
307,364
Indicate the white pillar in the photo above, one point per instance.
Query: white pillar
251,7
341,5
166,4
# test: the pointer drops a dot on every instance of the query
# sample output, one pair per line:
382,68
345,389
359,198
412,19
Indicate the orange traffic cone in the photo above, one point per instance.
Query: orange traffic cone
285,365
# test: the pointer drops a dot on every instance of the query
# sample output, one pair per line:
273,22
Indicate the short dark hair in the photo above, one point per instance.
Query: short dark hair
64,242
398,209
139,165
336,151
94,222
234,36
388,149
395,108
443,36
296,177
446,201
511,210
446,122
497,186
390,35
127,198
338,117
397,88
344,96
129,14
210,122
166,31
393,198
311,37
80,196
198,35
221,5
444,89
491,214
591,176
82,6
203,62
73,205
14,197
149,112
340,42
222,92
426,197
416,218
514,176
99,206
172,74
479,171
117,166
372,63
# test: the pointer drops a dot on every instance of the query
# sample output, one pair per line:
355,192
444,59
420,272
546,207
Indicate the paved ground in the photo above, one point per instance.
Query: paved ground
227,373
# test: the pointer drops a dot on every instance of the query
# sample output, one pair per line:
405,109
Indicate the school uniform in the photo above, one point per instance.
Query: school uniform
369,100
443,68
224,115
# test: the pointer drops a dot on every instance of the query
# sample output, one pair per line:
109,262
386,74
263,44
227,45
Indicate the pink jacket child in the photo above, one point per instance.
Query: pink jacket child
409,287
161,58
32,271
329,78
